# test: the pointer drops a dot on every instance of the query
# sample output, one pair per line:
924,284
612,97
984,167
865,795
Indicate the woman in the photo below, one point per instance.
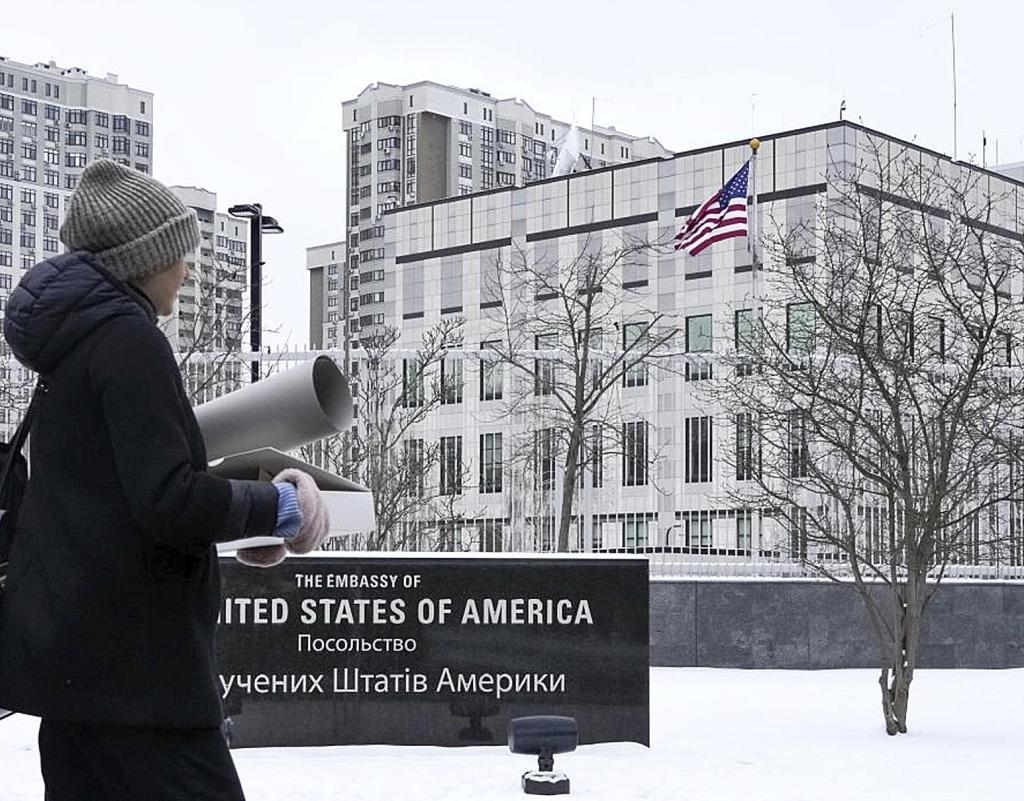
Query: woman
107,628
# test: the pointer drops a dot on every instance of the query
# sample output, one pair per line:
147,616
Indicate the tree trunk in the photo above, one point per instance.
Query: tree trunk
899,671
569,487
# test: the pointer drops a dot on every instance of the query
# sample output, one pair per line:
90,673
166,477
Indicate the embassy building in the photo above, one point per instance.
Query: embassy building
661,483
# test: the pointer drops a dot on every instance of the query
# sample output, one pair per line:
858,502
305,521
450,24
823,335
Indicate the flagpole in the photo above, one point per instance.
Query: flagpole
754,145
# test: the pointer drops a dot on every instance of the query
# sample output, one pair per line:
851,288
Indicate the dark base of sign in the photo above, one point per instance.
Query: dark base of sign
543,782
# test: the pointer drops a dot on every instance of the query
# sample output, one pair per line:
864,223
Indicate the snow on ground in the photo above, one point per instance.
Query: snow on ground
716,735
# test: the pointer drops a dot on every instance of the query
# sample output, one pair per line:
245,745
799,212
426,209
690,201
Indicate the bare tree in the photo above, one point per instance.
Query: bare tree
573,332
876,393
208,334
398,391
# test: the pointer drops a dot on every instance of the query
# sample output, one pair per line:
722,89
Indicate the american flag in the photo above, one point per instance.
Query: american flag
723,215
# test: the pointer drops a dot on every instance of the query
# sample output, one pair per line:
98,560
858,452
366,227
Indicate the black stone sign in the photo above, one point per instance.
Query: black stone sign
432,651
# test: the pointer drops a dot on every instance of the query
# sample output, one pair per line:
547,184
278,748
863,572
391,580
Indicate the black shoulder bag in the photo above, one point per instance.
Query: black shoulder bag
13,478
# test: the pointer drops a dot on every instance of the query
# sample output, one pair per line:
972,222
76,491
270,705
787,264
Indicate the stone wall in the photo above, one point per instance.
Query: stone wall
809,625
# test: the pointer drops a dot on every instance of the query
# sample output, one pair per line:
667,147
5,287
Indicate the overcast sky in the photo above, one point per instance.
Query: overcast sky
248,93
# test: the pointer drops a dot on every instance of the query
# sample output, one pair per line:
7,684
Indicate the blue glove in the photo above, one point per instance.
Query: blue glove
289,516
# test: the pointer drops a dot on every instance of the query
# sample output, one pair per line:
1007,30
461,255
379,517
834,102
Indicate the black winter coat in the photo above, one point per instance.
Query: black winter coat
113,586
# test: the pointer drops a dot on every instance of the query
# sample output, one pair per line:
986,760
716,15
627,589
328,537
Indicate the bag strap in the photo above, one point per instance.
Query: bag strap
21,433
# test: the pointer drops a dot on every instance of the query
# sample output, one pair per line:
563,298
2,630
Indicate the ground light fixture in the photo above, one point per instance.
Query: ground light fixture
543,736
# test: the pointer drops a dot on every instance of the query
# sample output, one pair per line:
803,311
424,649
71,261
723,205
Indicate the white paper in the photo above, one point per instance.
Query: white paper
248,542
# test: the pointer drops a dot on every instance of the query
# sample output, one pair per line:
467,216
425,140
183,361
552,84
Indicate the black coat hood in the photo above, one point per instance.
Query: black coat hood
59,302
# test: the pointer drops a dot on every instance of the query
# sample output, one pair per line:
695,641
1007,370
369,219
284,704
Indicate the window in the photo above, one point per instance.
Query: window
28,217
506,157
29,129
6,192
491,535
745,333
490,463
388,143
121,145
465,149
873,328
51,201
100,119
596,456
51,155
28,174
78,116
798,532
28,196
487,135
414,463
412,382
466,129
141,128
466,171
70,181
76,138
51,113
506,137
698,531
634,454
698,449
142,149
544,459
29,107
634,533
451,380
28,240
698,340
7,102
544,367
389,164
50,244
744,531
75,159
490,372
506,178
634,336
938,337
451,465
121,124
799,331
29,152
52,134
748,457
798,451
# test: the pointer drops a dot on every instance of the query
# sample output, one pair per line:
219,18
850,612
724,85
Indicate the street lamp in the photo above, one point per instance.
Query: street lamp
258,224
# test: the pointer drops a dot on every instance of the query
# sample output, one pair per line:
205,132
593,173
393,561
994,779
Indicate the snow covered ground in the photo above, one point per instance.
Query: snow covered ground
716,735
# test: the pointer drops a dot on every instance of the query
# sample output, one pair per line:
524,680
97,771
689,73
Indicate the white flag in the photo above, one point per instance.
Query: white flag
568,152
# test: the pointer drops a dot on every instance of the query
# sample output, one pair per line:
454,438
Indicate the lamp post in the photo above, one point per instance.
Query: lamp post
258,224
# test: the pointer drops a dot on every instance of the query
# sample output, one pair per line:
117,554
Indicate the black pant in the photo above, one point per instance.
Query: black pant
92,762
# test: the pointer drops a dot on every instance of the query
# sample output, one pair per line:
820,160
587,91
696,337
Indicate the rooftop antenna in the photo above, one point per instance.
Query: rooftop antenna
842,108
952,33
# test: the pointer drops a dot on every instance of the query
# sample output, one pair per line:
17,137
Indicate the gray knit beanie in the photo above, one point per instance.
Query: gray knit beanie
133,224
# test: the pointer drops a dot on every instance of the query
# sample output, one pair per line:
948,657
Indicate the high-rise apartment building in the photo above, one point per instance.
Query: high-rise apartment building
210,315
53,122
328,295
426,141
